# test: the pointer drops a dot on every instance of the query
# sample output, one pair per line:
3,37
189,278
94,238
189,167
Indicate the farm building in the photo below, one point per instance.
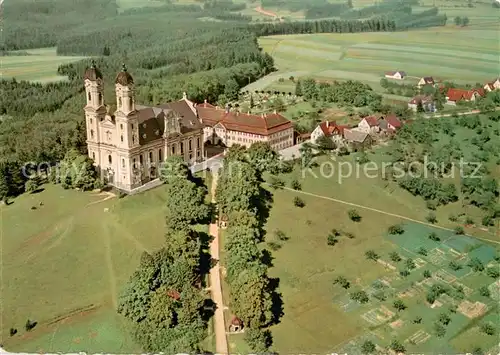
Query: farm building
494,85
426,80
427,103
369,125
328,129
453,96
357,139
301,137
389,123
395,75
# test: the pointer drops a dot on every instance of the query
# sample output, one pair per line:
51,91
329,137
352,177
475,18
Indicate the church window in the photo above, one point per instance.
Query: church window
93,155
132,126
110,160
150,157
144,136
130,102
121,138
159,155
190,145
140,159
133,139
121,127
190,156
144,125
91,121
134,163
89,97
198,142
123,163
120,102
173,149
198,153
91,133
182,147
100,99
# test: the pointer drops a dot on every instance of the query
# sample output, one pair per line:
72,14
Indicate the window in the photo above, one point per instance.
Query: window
140,159
182,147
121,138
198,153
134,163
130,103
173,149
150,157
133,139
198,142
91,133
100,99
91,121
190,145
123,163
120,102
110,160
159,155
190,156
132,126
121,126
89,97
93,155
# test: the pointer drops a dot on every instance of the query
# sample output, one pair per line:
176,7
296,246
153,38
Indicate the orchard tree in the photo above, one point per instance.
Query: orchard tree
371,255
354,215
399,305
397,347
368,347
258,340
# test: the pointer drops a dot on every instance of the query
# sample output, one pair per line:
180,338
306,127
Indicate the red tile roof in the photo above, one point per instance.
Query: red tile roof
332,128
371,120
393,121
459,94
420,98
264,125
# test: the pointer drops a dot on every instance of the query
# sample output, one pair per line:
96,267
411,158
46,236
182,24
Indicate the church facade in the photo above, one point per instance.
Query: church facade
129,145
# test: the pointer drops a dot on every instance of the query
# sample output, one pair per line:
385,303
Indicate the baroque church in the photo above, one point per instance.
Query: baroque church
129,144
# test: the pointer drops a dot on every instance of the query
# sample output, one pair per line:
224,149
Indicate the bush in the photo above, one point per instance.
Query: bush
493,272
431,218
360,297
258,340
431,205
417,320
274,246
394,256
453,217
29,325
367,347
281,235
331,240
488,329
354,215
427,274
12,332
276,183
422,251
454,265
294,184
433,236
396,229
484,291
459,230
298,202
469,220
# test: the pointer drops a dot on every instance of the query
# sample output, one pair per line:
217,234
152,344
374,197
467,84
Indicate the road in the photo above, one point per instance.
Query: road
221,346
473,112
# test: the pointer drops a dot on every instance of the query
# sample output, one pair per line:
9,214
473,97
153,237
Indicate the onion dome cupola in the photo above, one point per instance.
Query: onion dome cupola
124,78
92,73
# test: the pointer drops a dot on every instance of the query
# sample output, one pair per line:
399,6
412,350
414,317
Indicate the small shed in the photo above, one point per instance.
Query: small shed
236,325
223,221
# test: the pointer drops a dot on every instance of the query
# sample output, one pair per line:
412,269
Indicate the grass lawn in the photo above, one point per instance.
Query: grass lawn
40,65
64,263
467,55
314,320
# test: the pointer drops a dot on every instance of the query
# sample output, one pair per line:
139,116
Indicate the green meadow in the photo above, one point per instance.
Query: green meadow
38,65
65,262
319,317
464,55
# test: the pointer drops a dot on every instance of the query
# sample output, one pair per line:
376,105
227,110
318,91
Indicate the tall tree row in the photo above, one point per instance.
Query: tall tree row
240,197
164,299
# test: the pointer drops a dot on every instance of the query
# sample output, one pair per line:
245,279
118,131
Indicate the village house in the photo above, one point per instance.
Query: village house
491,86
390,123
453,96
426,101
329,129
357,139
369,125
128,145
426,80
395,75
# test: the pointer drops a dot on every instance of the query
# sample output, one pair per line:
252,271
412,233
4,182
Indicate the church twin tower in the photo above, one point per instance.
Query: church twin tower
111,136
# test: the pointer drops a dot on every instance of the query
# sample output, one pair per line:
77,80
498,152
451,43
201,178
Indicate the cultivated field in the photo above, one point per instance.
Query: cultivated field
66,266
39,65
319,317
464,55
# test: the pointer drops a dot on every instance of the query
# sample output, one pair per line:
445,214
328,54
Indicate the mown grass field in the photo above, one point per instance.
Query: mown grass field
313,320
464,55
64,264
40,65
